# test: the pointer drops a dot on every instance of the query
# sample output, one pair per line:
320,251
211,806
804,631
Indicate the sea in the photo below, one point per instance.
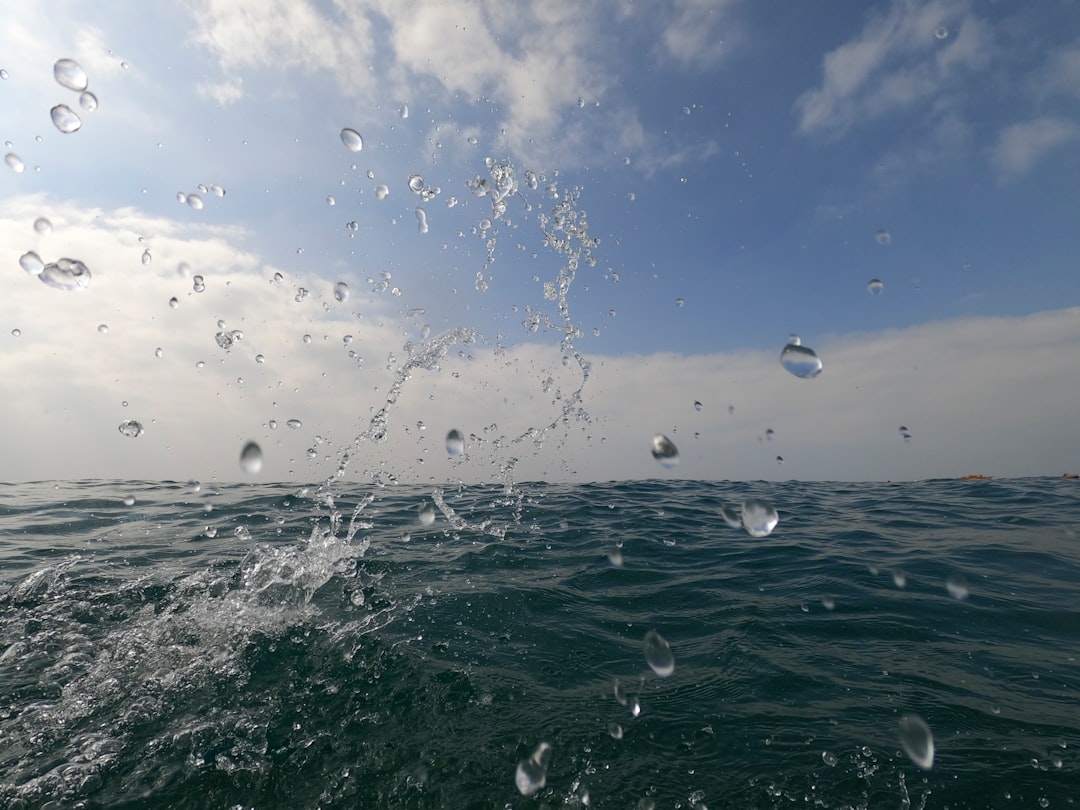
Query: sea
621,645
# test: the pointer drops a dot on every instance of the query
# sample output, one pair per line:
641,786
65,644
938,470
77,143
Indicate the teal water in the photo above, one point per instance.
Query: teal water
259,647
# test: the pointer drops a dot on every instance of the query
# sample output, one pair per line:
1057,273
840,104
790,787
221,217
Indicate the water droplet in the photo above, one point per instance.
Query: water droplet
14,162
181,197
69,74
251,458
174,302
829,758
146,257
697,405
905,434
198,284
195,202
941,32
124,66
129,500
658,654
455,443
306,338
770,434
665,451
957,587
65,119
416,183
158,353
732,516
103,328
531,773
202,188
883,237
800,360
917,741
679,302
779,459
421,220
876,286
352,227
66,274
794,339
615,730
42,225
295,424
331,201
217,190
382,191
403,111
341,291
129,427
581,103
426,514
758,517
352,140
88,101
31,263
4,74
16,332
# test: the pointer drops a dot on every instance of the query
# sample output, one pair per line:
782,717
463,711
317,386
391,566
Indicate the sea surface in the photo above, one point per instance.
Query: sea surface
169,645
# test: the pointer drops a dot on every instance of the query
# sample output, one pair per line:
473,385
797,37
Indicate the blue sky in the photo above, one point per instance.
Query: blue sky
740,157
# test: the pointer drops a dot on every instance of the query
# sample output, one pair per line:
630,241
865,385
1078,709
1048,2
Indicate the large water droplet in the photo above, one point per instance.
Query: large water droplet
658,654
876,286
195,202
455,443
88,101
14,162
421,220
800,360
917,741
66,274
531,773
251,458
759,517
341,291
731,516
129,427
42,225
665,451
70,74
31,263
352,140
65,119
426,514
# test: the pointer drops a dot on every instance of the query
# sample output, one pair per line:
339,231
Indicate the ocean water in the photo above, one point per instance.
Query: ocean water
263,646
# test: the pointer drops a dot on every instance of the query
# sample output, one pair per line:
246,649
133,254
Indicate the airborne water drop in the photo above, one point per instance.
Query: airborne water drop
352,140
665,451
251,458
455,443
658,654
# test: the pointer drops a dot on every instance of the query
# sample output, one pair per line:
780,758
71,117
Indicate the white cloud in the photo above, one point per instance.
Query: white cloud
1021,146
894,62
225,92
700,33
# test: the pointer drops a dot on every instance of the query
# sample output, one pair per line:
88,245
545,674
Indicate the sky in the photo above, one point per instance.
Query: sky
669,191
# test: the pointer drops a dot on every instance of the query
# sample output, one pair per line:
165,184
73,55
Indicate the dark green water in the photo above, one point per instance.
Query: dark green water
289,661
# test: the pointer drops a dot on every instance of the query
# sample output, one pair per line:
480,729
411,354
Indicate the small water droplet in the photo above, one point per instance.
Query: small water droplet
158,353
341,291
382,191
14,162
421,220
306,338
65,119
129,500
403,111
416,183
658,654
251,458
758,517
129,427
88,101
181,197
4,74
731,516
581,103
455,443
66,274
260,359
829,758
665,451
295,424
42,225
352,227
16,332
146,257
679,302
615,730
202,188
69,74
217,190
941,32
876,286
531,774
103,328
800,360
957,587
697,405
426,514
195,202
331,201
905,434
352,140
770,434
883,237
917,741
31,263
174,302
124,65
